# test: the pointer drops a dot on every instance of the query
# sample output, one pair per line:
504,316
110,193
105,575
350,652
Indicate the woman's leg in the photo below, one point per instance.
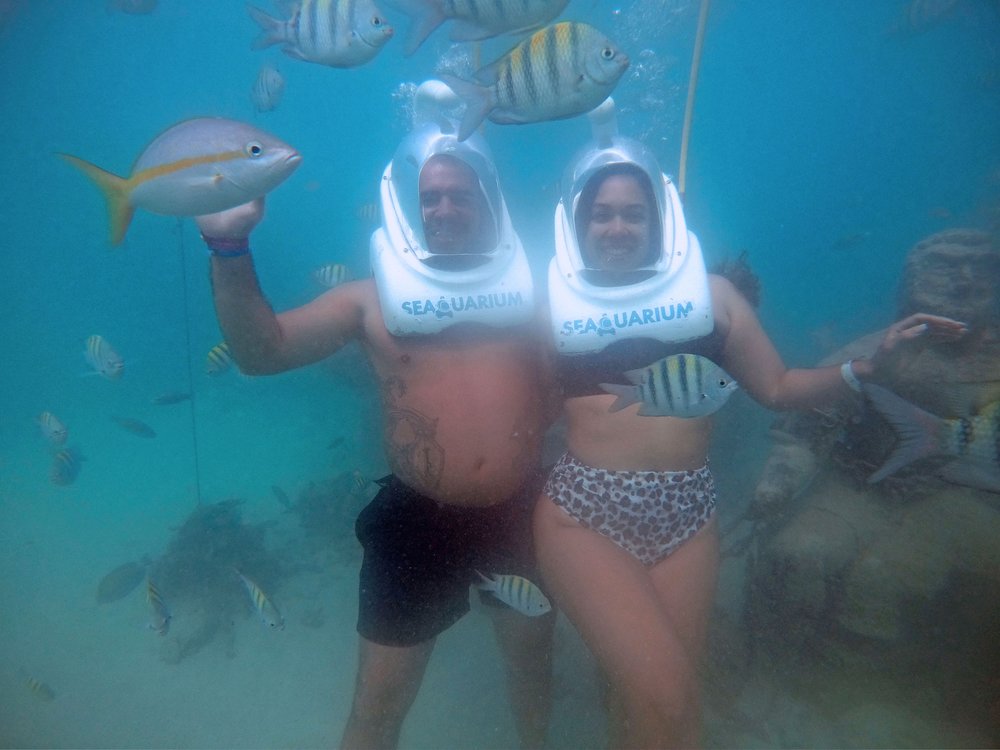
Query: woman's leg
644,626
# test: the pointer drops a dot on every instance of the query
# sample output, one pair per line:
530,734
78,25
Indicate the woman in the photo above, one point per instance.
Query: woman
626,531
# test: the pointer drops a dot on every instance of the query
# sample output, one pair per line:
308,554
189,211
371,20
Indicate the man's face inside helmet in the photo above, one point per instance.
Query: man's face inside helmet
615,231
456,217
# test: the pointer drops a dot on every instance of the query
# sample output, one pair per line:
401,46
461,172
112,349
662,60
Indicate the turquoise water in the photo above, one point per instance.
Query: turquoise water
828,138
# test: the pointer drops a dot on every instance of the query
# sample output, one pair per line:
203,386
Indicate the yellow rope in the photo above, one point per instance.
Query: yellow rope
692,86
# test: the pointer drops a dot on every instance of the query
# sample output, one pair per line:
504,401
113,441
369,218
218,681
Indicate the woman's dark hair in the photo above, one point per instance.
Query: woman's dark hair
585,206
741,276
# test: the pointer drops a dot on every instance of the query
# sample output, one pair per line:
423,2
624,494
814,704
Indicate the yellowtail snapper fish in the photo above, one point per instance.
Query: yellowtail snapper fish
135,426
65,466
52,428
218,360
516,592
171,397
38,688
973,441
266,610
268,89
560,71
681,385
195,167
475,19
332,274
120,582
159,613
103,358
338,33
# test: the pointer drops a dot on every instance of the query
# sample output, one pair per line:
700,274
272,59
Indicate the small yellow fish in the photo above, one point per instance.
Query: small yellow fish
359,480
40,690
268,89
135,426
516,592
159,613
52,428
332,274
171,397
269,614
368,212
218,360
101,356
560,71
65,467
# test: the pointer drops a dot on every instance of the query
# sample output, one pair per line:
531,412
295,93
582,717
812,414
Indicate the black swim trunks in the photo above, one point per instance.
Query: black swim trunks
421,557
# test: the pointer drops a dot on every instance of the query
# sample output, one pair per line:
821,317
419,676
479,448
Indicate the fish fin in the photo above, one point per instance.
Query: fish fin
273,30
635,376
486,583
627,395
478,103
983,475
918,430
116,192
425,17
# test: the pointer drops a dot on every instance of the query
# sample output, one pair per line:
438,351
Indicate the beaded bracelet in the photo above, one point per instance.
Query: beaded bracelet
847,373
227,247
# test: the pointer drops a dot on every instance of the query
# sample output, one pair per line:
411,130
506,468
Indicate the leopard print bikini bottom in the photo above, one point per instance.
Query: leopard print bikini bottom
647,513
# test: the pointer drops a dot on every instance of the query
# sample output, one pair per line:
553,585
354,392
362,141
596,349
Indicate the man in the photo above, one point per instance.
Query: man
447,325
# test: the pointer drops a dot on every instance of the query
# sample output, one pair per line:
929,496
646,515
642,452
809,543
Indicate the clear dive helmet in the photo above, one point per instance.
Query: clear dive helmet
423,291
434,133
609,149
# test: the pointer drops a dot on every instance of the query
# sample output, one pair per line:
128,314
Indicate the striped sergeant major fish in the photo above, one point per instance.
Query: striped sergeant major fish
218,360
195,167
268,613
338,33
52,428
560,71
332,274
679,385
38,688
103,358
65,467
475,19
159,613
516,592
974,442
267,89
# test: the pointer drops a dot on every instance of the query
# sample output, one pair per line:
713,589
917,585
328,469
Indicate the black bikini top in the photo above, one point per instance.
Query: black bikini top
581,374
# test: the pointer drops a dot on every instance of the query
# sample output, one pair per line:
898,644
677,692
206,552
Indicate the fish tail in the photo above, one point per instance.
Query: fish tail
919,431
116,192
627,395
424,16
273,29
478,103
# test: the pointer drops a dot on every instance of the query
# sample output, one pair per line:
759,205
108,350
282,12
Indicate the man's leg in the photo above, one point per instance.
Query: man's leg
526,643
387,683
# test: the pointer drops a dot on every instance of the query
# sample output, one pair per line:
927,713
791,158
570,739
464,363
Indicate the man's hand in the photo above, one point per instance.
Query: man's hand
233,223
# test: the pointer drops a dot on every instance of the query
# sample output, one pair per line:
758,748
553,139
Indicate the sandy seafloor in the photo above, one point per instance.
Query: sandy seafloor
826,144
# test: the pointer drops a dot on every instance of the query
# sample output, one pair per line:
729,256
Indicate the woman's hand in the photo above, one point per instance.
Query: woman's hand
909,335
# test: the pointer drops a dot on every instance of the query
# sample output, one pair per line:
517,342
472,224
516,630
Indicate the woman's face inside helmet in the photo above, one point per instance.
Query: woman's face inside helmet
615,230
453,208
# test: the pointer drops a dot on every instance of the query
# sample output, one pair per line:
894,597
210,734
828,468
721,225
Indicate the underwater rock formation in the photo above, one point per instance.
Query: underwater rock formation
198,580
852,574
